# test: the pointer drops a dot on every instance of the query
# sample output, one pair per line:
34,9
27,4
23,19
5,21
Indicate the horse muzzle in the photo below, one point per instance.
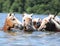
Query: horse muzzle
18,26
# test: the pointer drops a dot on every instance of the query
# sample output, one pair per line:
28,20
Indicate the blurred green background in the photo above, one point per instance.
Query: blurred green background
30,6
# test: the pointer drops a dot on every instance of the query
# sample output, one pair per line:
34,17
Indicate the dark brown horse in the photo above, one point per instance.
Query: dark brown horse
50,24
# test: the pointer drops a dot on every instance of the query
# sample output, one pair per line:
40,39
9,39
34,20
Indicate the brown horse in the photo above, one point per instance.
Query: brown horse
36,23
11,22
27,22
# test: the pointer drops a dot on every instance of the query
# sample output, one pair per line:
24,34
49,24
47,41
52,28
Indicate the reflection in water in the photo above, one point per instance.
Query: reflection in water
20,38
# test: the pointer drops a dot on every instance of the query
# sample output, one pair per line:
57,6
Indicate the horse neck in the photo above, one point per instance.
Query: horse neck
5,27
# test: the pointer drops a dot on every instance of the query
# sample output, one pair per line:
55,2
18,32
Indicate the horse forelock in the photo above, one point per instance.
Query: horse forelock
27,17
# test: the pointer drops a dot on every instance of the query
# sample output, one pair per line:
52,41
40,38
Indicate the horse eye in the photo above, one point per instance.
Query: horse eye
24,20
13,19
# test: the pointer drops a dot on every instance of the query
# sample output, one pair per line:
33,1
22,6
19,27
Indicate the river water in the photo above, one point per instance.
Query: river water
36,38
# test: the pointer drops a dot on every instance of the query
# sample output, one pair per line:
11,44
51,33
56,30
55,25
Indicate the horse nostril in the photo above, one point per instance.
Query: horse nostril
19,26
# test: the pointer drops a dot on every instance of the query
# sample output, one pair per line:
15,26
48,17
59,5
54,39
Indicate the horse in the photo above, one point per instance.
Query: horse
46,22
11,22
51,23
27,22
56,22
36,23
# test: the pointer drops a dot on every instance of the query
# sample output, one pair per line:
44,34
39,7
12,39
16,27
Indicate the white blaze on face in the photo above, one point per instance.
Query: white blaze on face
25,18
36,20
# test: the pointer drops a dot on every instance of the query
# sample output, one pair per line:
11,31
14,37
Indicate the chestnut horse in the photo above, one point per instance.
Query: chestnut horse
11,22
27,22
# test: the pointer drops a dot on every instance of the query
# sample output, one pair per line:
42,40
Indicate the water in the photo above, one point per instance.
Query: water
36,38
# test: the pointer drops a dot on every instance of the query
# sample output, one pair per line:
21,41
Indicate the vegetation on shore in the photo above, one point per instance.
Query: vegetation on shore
30,6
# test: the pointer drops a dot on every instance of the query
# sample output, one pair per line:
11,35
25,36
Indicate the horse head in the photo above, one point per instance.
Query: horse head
11,22
36,23
46,22
27,21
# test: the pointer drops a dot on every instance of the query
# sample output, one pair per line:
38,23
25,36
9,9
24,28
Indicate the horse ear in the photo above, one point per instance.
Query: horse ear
24,14
9,14
13,14
31,14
